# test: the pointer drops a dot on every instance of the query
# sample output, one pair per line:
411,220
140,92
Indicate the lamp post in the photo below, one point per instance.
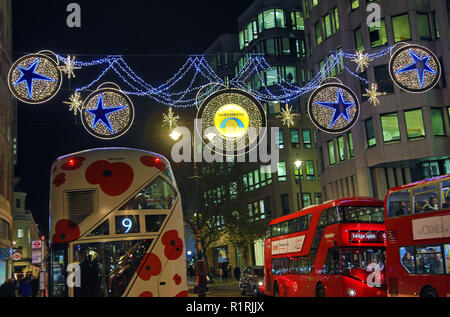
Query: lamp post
298,165
201,262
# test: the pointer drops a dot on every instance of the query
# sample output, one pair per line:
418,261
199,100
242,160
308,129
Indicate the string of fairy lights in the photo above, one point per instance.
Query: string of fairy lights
333,107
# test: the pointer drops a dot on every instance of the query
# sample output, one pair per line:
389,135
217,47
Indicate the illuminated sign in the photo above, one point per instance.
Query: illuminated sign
127,224
367,236
290,245
231,121
430,228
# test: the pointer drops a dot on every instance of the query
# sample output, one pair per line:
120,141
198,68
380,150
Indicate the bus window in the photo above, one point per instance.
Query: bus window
445,194
407,259
331,265
101,230
399,203
429,260
363,214
334,216
426,199
284,228
323,221
447,257
153,222
156,195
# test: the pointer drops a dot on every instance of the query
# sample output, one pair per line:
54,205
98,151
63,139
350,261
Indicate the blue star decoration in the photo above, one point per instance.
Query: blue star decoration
340,108
29,76
100,114
420,65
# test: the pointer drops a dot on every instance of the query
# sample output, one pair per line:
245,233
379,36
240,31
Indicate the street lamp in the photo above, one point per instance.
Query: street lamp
201,263
298,165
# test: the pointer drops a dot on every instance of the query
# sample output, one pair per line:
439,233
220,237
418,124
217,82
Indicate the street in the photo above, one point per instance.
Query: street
228,288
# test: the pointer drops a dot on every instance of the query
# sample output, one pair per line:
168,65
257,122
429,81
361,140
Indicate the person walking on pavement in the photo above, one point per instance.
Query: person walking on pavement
237,273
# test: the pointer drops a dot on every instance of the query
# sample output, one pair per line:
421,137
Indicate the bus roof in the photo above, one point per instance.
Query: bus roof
350,201
407,186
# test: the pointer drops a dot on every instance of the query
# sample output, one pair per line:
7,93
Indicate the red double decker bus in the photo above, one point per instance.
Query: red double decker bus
334,249
418,238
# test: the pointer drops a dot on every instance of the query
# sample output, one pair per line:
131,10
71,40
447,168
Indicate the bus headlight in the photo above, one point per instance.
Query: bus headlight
260,283
351,292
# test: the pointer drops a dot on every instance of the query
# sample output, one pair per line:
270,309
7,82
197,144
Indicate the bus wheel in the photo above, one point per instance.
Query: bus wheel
320,290
428,291
276,292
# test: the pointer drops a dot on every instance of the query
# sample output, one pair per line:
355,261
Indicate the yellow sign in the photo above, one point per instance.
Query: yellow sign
231,121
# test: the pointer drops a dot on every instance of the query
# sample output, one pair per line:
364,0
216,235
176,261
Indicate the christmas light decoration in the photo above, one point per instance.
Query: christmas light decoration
69,67
287,116
362,60
232,120
107,113
170,120
75,103
373,94
34,78
333,108
414,68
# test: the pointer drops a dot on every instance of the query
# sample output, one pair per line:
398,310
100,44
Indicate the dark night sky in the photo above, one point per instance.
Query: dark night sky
162,28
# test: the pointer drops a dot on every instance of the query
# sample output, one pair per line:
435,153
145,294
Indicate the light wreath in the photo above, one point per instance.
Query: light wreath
35,78
235,118
107,113
333,108
414,68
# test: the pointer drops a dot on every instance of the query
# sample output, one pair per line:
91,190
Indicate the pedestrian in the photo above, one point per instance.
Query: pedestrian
225,271
3,288
237,273
220,273
34,286
25,289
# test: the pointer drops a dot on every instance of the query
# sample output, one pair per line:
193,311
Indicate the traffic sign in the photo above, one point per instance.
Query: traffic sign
35,245
17,256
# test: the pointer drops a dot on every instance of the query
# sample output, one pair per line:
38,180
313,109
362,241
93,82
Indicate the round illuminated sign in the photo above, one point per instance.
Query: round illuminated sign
107,113
34,78
233,121
333,108
415,68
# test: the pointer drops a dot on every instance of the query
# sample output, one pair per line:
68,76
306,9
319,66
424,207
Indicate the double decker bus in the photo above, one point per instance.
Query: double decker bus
418,238
116,226
334,249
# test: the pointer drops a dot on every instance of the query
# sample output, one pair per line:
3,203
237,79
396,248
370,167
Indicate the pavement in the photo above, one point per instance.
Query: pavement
228,288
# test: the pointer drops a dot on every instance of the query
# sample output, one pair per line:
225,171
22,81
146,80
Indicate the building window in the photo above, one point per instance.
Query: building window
354,4
295,139
436,26
307,144
318,198
256,179
358,39
262,210
20,233
17,203
414,124
250,181
310,175
314,3
424,26
281,169
437,121
371,140
383,79
336,19
327,26
351,148
280,142
297,21
285,204
298,172
318,33
401,28
331,155
268,207
378,35
306,199
341,148
389,126
271,18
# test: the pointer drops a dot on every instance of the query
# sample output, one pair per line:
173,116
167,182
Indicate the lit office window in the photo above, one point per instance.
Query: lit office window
280,142
307,144
351,149
318,33
317,198
414,124
371,141
271,76
306,199
269,19
354,4
336,19
310,175
340,65
383,79
274,107
437,120
300,49
279,17
314,3
298,172
341,148
295,139
358,39
401,28
256,179
281,168
297,21
250,181
436,26
378,35
389,126
424,26
331,154
327,25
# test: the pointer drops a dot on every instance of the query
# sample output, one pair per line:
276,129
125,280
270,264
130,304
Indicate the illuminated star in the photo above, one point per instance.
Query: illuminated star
170,120
340,108
100,113
420,65
29,75
287,116
75,102
373,94
69,66
362,60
